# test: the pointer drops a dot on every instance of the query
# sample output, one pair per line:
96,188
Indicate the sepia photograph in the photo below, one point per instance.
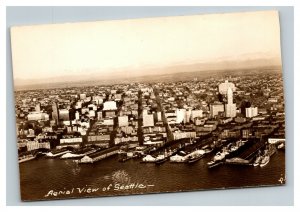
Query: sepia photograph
149,105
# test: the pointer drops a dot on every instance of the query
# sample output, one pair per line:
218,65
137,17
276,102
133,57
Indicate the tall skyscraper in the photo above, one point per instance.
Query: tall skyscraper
77,116
38,107
230,108
229,96
55,114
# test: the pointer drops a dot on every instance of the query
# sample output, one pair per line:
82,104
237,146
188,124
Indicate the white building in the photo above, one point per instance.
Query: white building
37,116
251,112
38,107
196,114
215,108
70,140
110,105
92,113
223,87
109,122
158,114
230,107
82,96
77,115
123,121
180,115
148,120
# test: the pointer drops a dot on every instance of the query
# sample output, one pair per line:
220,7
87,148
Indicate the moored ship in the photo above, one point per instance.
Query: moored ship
257,160
265,160
195,156
25,158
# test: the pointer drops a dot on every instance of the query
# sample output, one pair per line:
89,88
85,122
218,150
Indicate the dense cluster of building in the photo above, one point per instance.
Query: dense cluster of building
151,114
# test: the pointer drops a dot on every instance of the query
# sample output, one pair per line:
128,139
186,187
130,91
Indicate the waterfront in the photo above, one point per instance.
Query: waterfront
43,177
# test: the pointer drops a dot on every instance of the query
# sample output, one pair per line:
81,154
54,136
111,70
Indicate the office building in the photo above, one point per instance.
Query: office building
55,114
251,112
64,115
123,121
216,108
148,120
230,107
223,87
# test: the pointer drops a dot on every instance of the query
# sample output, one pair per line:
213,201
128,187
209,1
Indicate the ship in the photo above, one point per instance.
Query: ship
148,159
212,164
281,146
237,161
218,159
161,159
257,160
265,160
26,158
195,158
272,150
219,156
178,159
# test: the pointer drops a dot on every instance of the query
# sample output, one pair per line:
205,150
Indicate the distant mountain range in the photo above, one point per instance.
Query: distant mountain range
153,74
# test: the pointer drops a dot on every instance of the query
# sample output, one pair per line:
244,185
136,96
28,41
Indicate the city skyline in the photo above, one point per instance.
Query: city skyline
157,45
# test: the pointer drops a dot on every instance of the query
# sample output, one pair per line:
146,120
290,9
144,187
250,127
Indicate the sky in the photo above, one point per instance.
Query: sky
103,47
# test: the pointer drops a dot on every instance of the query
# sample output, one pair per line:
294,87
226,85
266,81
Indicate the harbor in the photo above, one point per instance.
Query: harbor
65,174
237,152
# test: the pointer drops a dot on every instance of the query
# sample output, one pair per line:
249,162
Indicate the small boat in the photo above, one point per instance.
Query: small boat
257,160
219,156
265,160
281,146
233,148
215,163
210,163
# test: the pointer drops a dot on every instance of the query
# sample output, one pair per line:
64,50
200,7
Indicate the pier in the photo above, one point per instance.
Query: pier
97,156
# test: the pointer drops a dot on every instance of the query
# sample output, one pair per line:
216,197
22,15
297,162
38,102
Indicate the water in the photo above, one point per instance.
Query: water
59,179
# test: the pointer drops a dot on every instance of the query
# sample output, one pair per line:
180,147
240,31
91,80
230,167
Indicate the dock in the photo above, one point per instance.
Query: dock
97,156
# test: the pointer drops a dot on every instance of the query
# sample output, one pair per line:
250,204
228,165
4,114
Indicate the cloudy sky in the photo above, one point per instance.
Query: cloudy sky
74,49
